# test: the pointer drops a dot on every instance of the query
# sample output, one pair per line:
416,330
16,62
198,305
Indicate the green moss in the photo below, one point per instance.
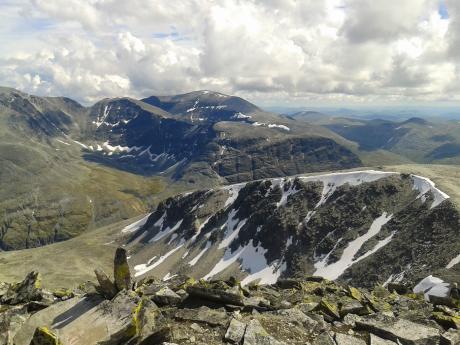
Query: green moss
446,321
43,336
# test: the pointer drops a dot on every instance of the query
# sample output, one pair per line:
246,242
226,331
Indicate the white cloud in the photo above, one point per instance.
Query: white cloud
298,51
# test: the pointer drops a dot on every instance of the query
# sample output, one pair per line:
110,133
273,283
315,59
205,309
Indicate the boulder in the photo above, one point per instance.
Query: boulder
451,337
235,331
11,320
353,307
166,296
27,290
216,295
328,309
106,286
256,335
399,330
204,315
121,271
43,336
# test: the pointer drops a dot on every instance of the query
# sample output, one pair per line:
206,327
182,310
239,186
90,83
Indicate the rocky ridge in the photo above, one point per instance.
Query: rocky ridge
339,226
309,310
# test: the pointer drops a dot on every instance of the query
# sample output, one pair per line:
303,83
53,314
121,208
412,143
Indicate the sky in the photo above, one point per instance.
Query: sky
272,52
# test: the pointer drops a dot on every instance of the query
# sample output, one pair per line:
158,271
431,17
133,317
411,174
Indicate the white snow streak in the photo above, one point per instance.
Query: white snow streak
136,225
144,268
166,232
453,262
335,270
200,254
425,185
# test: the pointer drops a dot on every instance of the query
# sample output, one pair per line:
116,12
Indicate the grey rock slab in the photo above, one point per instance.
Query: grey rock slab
235,331
256,335
203,314
400,330
324,339
166,296
375,340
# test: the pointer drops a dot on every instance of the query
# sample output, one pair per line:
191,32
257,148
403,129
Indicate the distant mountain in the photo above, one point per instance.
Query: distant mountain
415,139
339,226
57,155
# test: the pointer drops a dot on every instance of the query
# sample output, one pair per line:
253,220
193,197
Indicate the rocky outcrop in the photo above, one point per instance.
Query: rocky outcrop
338,226
106,286
301,311
121,271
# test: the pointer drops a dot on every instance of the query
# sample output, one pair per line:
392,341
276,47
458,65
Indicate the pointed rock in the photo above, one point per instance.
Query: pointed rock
106,287
27,290
121,270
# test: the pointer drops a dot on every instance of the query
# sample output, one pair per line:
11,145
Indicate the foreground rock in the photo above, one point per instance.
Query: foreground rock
121,271
184,311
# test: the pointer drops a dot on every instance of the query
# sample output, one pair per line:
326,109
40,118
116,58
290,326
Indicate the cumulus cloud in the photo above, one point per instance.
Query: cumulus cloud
286,50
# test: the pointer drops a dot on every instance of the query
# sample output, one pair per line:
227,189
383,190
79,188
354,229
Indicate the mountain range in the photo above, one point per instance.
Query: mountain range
68,168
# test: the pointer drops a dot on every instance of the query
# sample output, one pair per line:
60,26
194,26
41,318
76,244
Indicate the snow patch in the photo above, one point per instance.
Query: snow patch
166,232
136,225
336,269
425,185
232,229
453,262
144,268
334,180
200,254
432,286
252,259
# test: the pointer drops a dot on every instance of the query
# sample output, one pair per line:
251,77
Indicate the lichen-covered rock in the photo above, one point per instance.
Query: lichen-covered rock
451,337
63,293
328,309
121,272
447,321
216,295
166,296
256,335
43,336
11,320
235,331
30,289
106,286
